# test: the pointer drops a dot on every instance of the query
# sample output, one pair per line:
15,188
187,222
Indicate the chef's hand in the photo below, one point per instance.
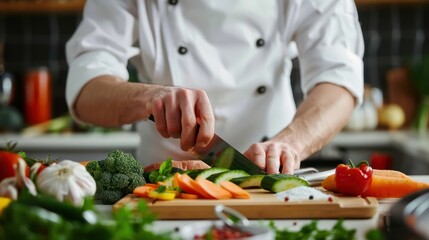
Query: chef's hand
274,156
178,111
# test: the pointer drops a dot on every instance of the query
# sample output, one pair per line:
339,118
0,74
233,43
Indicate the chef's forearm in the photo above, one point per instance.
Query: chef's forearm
109,101
319,118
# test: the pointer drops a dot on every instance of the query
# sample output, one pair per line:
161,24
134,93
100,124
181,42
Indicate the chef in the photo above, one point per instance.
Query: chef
222,65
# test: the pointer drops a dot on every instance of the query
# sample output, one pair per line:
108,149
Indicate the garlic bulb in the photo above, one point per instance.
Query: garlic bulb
10,187
67,181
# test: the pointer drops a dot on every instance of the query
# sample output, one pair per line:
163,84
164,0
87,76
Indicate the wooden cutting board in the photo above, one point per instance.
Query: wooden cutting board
262,205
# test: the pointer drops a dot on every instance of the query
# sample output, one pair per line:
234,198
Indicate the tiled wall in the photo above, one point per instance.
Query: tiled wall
393,35
34,41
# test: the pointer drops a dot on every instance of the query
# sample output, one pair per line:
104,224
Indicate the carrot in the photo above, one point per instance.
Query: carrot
188,196
235,190
215,191
391,187
143,191
84,163
152,185
330,184
160,183
384,186
390,173
188,185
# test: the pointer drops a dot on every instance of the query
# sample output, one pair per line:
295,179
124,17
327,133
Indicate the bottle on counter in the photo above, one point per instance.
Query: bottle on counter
38,95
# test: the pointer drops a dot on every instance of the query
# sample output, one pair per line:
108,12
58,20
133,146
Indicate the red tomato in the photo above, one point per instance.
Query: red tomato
8,161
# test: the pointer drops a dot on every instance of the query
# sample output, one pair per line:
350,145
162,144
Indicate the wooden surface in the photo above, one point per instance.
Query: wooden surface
262,205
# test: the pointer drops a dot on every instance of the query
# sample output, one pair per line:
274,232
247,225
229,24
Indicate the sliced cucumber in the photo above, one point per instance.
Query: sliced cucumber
169,181
251,181
281,182
205,173
226,176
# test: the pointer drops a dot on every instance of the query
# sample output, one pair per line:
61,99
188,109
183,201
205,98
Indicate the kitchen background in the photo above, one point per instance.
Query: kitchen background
396,33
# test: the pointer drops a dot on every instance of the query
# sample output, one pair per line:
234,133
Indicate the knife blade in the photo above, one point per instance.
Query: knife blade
219,153
315,179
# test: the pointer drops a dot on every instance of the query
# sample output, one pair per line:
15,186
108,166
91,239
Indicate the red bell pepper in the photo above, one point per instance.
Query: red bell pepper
353,180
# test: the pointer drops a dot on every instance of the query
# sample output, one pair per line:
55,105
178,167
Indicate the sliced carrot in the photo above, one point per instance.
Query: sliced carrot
185,183
188,196
153,185
143,191
215,191
160,183
235,190
198,190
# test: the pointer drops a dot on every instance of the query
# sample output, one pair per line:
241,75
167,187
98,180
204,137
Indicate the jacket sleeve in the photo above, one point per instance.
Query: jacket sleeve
330,45
102,44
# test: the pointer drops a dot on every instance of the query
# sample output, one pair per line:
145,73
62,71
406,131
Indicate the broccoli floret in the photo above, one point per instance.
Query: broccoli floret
127,164
122,162
117,175
94,169
120,181
101,164
110,161
105,180
110,196
136,180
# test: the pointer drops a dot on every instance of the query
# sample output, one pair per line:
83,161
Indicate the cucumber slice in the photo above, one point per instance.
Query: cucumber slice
169,181
252,181
217,178
281,182
205,173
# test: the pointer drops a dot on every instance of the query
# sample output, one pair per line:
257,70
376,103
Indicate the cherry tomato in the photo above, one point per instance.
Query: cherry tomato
8,162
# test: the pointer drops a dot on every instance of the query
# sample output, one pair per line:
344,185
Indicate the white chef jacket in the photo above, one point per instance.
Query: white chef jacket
238,51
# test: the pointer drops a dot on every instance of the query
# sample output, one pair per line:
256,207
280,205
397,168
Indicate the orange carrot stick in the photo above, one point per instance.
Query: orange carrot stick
235,190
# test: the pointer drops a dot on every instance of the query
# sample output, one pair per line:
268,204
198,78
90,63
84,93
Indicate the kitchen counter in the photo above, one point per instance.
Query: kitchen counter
361,225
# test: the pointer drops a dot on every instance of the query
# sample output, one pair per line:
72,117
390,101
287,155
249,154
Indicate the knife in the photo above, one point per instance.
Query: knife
219,153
